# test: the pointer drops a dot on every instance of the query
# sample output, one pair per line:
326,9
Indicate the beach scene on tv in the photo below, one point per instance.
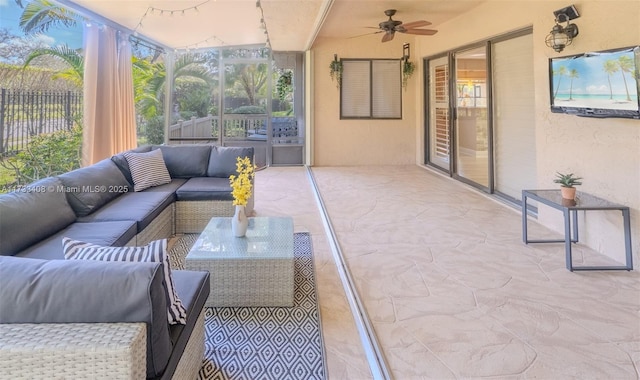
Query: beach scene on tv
596,80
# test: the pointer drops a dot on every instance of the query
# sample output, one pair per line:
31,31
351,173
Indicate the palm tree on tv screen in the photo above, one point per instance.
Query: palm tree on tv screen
573,73
626,66
610,66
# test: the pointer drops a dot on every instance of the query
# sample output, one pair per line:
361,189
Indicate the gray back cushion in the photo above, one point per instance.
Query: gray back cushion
186,161
32,214
80,291
89,188
223,160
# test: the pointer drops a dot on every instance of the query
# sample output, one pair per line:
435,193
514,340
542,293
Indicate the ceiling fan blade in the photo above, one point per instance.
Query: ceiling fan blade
416,24
366,34
388,37
422,32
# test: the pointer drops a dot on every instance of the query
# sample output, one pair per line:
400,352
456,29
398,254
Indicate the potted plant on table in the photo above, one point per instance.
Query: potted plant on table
241,189
567,184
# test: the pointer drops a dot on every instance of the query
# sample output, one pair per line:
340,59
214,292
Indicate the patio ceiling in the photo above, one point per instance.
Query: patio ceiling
292,25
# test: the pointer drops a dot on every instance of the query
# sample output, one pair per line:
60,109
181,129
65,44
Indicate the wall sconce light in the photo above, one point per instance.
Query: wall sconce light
560,36
406,52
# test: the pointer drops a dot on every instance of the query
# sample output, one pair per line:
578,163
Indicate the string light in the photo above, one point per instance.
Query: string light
203,42
263,24
153,10
182,11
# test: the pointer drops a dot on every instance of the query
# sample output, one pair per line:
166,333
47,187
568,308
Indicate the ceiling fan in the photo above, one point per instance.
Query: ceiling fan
391,26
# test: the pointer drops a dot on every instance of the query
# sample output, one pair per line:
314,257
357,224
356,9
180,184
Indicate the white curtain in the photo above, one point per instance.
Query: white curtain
109,114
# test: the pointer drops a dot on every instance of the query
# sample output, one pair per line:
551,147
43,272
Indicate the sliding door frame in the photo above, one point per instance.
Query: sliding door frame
453,110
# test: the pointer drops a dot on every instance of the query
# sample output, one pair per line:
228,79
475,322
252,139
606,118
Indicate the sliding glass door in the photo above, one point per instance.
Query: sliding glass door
471,126
479,114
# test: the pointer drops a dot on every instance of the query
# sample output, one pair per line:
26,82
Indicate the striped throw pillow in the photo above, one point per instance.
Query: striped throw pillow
155,252
147,169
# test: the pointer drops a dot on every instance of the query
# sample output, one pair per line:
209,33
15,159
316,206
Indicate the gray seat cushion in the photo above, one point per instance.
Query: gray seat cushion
88,188
116,233
28,216
193,289
205,189
170,187
142,207
80,291
186,161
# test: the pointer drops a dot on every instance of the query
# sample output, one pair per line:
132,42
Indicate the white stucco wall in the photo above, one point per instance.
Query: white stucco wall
359,142
606,152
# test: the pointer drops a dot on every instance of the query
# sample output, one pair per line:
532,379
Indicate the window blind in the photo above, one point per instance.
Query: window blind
371,89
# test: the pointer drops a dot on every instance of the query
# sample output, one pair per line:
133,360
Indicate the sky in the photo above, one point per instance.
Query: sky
10,18
592,78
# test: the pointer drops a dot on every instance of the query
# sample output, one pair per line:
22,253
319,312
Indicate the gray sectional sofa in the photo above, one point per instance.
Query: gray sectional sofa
92,318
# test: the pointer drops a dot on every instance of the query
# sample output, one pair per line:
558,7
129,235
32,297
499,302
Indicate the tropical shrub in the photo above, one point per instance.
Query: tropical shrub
249,110
46,155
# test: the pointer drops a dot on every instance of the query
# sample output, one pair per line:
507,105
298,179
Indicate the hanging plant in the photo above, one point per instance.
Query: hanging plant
284,84
335,70
408,68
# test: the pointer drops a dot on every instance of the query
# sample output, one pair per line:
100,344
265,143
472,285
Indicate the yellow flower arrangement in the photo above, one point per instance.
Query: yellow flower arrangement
241,184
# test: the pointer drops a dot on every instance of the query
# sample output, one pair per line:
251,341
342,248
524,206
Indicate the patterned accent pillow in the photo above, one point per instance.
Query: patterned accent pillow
147,169
155,252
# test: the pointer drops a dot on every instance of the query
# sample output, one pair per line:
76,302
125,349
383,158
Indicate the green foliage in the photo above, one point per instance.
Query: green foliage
194,97
75,61
284,86
47,155
335,70
153,132
408,68
249,110
40,15
33,78
567,180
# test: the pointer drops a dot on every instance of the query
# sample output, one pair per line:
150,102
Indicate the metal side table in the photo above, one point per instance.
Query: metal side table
570,208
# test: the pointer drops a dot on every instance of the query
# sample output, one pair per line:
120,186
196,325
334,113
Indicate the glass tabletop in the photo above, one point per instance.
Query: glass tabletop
583,201
267,237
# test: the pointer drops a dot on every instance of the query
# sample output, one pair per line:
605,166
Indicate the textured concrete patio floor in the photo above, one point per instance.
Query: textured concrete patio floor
449,287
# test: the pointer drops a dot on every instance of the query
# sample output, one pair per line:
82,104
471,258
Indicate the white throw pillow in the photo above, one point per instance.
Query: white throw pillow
147,169
154,252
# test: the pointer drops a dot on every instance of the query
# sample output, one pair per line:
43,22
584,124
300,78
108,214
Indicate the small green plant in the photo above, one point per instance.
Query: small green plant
408,68
284,84
335,70
567,180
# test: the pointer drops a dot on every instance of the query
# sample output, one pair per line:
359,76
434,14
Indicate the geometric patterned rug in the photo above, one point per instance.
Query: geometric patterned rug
265,342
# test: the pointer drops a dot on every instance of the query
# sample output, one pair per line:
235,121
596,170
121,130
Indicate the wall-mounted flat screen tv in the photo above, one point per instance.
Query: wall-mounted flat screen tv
597,84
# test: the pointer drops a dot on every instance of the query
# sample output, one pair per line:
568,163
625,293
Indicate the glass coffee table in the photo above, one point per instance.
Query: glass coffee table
255,270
